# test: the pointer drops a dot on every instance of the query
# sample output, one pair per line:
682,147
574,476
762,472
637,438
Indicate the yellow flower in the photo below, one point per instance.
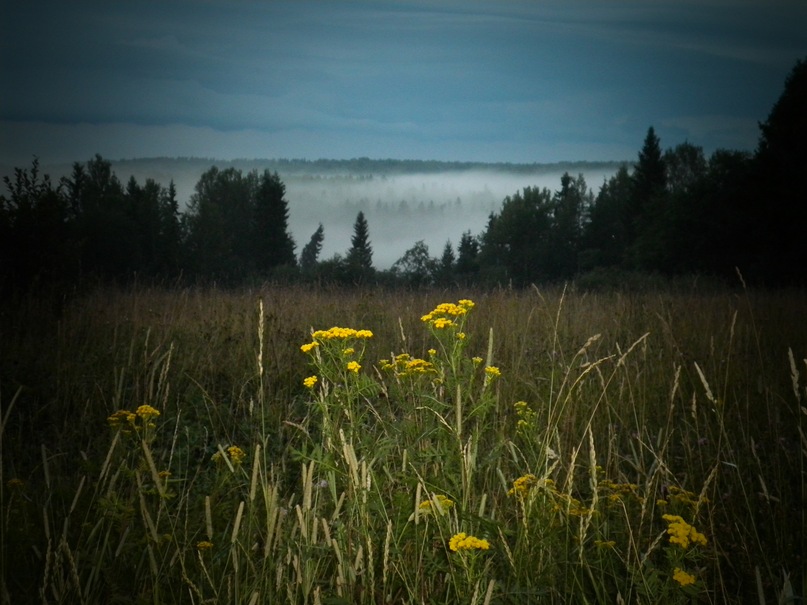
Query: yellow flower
442,322
146,412
493,372
682,533
682,577
310,382
237,455
477,360
432,352
348,351
463,541
164,474
204,545
306,348
354,367
523,484
15,483
443,504
121,417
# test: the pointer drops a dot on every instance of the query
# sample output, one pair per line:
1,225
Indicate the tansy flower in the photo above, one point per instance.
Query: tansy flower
682,533
204,545
164,474
477,360
443,504
237,455
493,372
15,483
463,541
146,412
432,352
348,351
523,484
682,577
310,382
309,346
353,366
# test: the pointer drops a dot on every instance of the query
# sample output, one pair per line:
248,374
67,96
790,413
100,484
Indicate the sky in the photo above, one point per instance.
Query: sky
457,80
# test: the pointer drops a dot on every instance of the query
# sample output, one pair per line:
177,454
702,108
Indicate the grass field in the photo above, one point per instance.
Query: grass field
537,446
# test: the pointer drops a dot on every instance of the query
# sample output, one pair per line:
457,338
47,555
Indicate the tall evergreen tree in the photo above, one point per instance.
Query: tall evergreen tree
273,244
359,259
467,266
605,237
647,204
781,163
310,254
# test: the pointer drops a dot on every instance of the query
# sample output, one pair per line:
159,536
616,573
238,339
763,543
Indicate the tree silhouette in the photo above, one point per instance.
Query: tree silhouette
273,244
359,258
310,254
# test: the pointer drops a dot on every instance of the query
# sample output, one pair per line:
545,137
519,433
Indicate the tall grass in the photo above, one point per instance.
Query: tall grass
529,447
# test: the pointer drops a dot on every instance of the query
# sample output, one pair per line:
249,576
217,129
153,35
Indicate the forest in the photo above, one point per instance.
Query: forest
672,212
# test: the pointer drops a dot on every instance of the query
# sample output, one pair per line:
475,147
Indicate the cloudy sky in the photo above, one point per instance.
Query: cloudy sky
466,80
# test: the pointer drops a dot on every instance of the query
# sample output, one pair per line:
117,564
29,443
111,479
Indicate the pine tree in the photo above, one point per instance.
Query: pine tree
310,254
273,244
360,256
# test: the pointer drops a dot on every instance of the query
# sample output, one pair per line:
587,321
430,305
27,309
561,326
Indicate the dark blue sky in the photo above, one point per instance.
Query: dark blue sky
506,80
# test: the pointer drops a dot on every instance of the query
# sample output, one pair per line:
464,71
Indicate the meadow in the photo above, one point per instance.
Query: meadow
292,444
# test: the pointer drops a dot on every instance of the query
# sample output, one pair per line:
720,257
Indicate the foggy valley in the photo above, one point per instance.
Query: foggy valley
412,201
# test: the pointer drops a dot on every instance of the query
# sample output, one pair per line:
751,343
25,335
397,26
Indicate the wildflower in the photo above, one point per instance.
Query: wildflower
237,455
682,533
522,485
164,474
147,412
310,382
682,577
308,347
442,322
204,545
432,352
460,335
348,352
354,367
441,507
463,541
477,360
120,417
492,372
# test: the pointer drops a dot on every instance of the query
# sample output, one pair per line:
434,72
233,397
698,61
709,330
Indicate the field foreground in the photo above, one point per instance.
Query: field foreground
300,445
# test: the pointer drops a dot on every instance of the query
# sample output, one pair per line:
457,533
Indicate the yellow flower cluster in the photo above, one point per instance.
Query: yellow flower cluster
310,382
442,505
682,577
353,366
125,418
236,454
335,334
617,492
682,533
492,372
341,334
120,418
146,412
204,545
522,485
682,497
525,414
406,365
444,314
463,541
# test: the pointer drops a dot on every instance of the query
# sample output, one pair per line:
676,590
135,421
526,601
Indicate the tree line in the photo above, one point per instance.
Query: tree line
672,212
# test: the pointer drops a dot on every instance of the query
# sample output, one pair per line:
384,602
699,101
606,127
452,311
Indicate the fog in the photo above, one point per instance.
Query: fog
403,209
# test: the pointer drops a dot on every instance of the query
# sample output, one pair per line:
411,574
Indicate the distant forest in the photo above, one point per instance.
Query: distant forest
672,212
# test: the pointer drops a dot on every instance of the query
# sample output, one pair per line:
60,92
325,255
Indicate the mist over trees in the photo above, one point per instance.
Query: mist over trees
672,212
